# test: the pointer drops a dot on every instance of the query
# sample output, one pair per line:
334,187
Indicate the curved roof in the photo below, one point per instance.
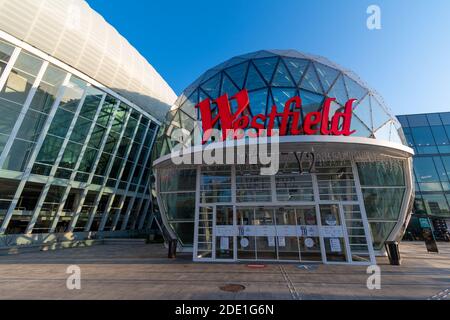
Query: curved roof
273,76
71,31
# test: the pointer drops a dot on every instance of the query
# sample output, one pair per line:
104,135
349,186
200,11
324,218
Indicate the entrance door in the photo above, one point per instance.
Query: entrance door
278,234
216,233
333,232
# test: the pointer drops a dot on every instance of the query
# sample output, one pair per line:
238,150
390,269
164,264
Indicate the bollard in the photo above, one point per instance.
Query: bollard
393,252
172,249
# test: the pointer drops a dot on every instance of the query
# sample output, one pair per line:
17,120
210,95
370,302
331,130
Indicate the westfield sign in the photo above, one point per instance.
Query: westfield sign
316,122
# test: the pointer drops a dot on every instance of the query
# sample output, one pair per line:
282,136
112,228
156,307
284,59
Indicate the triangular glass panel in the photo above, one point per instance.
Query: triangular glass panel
338,91
379,115
297,67
228,87
258,101
189,105
310,101
254,80
266,67
384,133
360,129
327,75
212,86
281,96
237,74
282,77
396,134
355,91
363,111
186,121
334,107
311,81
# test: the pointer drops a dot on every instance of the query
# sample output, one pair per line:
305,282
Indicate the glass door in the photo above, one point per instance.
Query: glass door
204,241
333,232
224,233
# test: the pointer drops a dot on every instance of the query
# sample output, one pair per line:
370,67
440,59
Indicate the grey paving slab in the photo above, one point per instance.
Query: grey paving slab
140,271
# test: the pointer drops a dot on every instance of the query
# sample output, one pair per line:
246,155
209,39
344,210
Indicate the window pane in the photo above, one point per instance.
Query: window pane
61,123
425,170
72,94
21,78
422,136
6,51
91,103
70,156
10,112
49,150
32,125
439,135
389,173
46,93
80,130
88,160
18,156
383,204
97,136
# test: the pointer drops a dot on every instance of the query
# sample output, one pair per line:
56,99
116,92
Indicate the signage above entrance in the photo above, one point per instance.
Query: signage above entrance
315,122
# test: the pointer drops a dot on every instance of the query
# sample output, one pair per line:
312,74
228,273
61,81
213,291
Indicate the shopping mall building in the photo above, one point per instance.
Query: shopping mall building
79,110
80,114
343,184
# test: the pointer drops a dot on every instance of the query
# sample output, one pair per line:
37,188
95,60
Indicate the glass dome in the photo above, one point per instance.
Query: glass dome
271,77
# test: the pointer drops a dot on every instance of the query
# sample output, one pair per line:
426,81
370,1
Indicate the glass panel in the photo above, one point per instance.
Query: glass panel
21,78
282,77
334,246
296,67
61,123
254,80
49,150
327,75
383,203
388,173
32,125
70,156
72,94
237,74
48,88
380,232
6,51
80,130
311,81
179,180
10,112
422,136
88,160
266,67
18,156
91,103
425,169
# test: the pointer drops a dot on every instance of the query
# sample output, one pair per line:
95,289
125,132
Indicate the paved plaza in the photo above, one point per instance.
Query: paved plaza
142,271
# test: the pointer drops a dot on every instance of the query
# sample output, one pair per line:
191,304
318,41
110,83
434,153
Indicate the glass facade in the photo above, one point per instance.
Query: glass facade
73,157
342,211
429,135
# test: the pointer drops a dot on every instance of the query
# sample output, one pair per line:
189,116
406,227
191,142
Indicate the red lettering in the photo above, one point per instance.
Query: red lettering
311,120
230,122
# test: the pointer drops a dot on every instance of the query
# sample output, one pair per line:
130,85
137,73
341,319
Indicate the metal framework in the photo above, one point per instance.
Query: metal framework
138,195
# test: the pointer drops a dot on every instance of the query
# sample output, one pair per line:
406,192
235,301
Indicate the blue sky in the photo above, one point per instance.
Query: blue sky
407,61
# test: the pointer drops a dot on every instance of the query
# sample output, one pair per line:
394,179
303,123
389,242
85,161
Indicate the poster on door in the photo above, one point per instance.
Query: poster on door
271,241
224,243
335,245
281,241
